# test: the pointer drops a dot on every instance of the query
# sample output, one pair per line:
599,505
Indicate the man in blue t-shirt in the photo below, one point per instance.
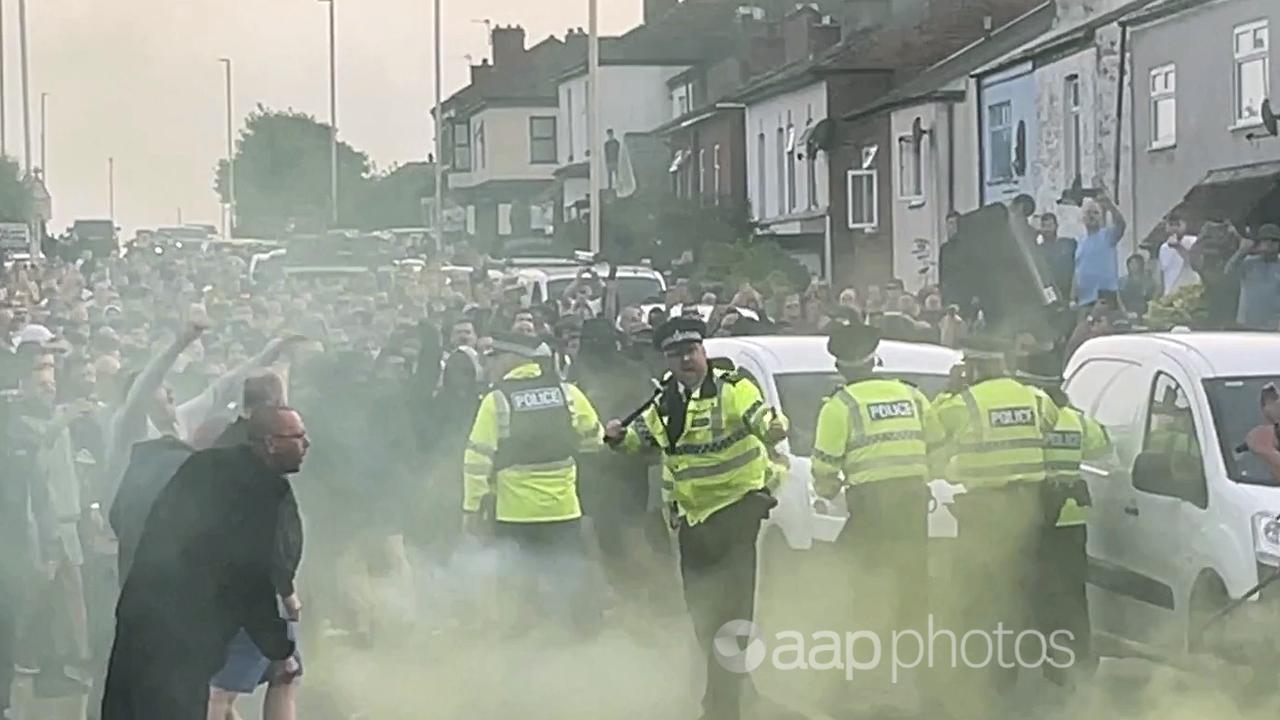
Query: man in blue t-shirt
1096,264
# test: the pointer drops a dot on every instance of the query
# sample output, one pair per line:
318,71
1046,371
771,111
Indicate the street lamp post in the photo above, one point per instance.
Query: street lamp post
439,168
333,113
111,189
229,222
4,144
26,95
593,120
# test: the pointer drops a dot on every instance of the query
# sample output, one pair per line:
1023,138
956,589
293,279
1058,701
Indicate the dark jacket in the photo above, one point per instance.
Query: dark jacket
205,564
152,464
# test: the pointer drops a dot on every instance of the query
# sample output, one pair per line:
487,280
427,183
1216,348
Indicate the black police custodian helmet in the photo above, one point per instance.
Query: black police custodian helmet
1041,369
679,331
853,343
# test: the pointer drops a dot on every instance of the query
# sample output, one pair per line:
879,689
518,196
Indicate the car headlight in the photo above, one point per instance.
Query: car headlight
1266,538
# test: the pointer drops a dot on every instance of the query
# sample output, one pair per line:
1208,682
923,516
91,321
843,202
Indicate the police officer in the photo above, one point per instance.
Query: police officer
519,466
712,429
1064,563
995,436
873,436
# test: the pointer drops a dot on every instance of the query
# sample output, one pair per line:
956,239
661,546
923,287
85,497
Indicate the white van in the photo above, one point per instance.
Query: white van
1182,522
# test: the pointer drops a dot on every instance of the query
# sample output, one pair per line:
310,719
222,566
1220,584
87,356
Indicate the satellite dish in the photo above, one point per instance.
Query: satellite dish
1269,118
823,136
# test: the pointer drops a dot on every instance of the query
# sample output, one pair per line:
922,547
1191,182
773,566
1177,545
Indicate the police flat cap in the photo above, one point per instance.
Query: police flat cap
679,331
520,344
854,342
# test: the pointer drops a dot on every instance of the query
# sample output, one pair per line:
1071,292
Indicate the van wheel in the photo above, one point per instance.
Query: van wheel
1208,596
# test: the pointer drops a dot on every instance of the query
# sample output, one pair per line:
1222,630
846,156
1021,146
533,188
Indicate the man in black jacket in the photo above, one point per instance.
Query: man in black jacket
205,566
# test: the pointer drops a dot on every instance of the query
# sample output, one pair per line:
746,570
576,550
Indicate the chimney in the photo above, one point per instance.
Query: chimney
767,52
796,32
655,9
480,72
862,15
824,36
508,46
575,43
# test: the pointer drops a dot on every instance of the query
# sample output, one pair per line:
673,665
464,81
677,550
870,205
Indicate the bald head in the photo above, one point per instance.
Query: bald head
278,437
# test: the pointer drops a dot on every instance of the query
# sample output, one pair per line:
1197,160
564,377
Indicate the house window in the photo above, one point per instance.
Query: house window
762,177
1164,107
702,173
568,94
863,199
782,170
715,172
791,168
811,170
542,140
504,218
1000,140
471,220
910,168
479,144
1073,129
462,146
1253,71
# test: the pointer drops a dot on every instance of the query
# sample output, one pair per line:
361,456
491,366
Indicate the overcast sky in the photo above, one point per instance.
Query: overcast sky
139,81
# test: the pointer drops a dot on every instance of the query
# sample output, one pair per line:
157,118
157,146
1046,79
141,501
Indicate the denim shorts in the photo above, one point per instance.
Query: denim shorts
246,667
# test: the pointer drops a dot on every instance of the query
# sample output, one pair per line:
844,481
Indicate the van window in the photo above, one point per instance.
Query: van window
1086,384
1235,403
1117,409
1171,430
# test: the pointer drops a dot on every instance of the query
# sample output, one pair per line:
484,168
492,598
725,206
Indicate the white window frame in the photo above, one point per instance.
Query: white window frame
702,174
792,194
1009,129
715,172
1240,59
504,219
1163,88
874,221
1073,128
909,151
762,176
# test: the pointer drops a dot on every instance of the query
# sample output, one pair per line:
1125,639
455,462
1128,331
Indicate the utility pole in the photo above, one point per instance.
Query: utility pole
439,218
4,144
44,163
229,223
593,118
333,113
111,189
26,87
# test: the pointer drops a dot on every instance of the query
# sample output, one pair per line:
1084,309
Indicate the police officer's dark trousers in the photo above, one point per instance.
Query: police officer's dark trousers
718,567
990,596
1062,609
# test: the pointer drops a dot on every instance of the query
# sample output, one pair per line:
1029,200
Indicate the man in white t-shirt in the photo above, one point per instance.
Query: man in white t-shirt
1175,268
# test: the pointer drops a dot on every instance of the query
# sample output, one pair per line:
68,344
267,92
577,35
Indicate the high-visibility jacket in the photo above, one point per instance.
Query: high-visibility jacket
873,430
519,450
721,455
1074,439
995,432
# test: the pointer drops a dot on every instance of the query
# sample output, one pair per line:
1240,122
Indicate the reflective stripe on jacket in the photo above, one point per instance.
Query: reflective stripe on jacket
996,432
721,456
873,430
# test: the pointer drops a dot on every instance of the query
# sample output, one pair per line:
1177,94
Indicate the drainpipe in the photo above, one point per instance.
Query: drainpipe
1124,36
951,157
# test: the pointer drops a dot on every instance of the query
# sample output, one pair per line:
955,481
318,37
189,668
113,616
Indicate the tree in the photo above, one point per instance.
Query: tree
394,199
15,195
282,166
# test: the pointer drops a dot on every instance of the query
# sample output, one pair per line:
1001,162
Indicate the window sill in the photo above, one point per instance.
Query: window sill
868,229
1156,147
1240,125
913,202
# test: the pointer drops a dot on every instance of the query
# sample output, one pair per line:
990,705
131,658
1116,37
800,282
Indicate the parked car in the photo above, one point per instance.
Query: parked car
636,283
1183,520
796,374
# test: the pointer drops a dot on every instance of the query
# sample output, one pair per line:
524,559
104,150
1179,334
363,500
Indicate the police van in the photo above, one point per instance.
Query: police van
1184,519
